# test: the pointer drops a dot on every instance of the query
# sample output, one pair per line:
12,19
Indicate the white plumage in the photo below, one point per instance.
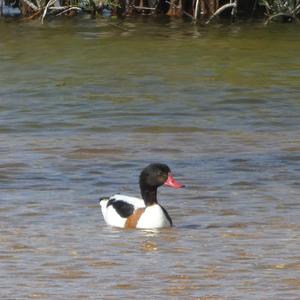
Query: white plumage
111,216
131,212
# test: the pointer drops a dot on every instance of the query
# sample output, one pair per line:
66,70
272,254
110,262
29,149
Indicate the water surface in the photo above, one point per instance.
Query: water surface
84,106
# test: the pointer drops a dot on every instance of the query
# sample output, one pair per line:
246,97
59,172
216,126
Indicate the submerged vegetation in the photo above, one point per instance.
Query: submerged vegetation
197,10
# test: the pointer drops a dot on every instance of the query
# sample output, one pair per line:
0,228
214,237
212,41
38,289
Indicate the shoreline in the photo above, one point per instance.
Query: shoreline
195,11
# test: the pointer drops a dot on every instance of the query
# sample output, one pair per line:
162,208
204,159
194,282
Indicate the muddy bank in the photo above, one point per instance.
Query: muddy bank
204,11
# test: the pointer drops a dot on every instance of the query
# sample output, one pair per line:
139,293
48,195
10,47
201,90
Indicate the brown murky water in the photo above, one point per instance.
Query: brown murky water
84,106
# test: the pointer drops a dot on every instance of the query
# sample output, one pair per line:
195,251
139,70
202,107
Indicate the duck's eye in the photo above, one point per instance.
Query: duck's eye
162,177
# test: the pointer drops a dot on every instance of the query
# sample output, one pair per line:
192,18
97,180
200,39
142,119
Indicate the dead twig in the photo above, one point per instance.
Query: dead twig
50,2
221,9
143,7
31,5
68,9
282,11
33,16
294,17
196,10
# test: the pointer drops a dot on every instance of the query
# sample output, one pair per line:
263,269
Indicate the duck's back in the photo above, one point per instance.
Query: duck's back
130,212
117,208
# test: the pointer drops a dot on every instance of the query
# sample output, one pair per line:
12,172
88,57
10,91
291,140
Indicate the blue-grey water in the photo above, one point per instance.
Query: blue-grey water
85,105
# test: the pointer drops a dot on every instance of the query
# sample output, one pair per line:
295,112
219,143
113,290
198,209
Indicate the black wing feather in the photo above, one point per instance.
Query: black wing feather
167,215
123,208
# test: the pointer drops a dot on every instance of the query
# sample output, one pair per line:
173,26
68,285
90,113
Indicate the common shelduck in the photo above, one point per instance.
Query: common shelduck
130,212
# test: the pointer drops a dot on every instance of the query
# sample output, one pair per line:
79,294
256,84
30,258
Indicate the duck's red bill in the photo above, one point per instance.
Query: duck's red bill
173,183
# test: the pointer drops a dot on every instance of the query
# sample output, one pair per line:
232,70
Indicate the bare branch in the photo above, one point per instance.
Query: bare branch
31,5
50,2
69,9
220,10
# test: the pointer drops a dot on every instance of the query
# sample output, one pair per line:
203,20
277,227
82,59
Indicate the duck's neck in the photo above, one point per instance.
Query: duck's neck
149,194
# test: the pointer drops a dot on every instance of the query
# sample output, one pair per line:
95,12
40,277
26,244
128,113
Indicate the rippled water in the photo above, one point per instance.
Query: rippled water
84,106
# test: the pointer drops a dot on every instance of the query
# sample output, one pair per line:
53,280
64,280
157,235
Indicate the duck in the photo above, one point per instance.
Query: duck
145,213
